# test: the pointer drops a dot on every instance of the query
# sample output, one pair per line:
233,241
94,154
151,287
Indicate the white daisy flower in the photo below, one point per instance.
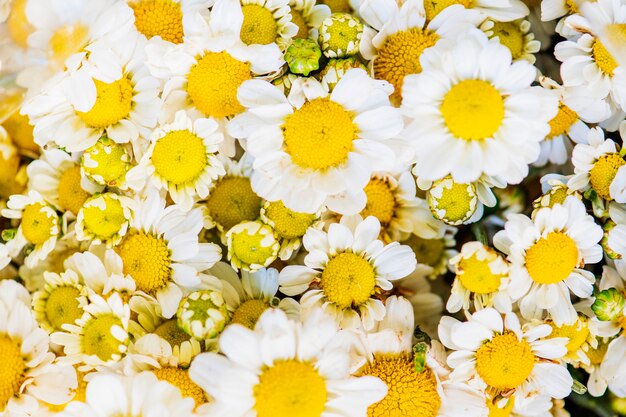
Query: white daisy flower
345,271
266,22
60,302
501,356
39,226
499,10
546,256
284,367
308,16
181,159
400,33
555,190
582,338
598,165
29,373
317,148
111,94
468,109
161,251
252,245
104,218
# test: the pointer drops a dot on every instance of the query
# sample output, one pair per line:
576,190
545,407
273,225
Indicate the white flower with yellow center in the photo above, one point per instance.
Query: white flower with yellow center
29,373
466,109
400,33
555,191
106,163
60,302
481,275
252,245
39,226
345,271
582,339
284,368
515,35
499,10
112,93
181,159
266,22
203,74
501,356
546,256
308,16
598,166
161,251
251,295
111,395
99,336
56,175
104,218
318,148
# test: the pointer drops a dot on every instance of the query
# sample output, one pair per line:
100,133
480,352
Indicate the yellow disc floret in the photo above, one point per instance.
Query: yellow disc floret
179,157
67,41
603,172
181,380
259,26
505,362
434,7
105,217
452,202
248,313
348,280
113,103
172,333
381,201
287,224
252,243
62,306
473,110
71,194
604,59
562,122
106,162
162,18
97,337
11,371
233,201
476,275
400,56
21,132
38,223
319,134
290,389
552,258
212,83
577,334
409,393
511,36
147,260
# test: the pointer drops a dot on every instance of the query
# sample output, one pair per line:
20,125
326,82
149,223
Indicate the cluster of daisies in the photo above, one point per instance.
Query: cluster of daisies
312,208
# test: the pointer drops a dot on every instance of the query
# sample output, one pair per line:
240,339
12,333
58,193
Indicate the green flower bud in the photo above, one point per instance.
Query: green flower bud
609,305
203,314
303,56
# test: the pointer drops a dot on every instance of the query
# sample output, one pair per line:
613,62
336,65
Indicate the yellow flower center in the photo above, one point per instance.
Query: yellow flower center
212,84
12,369
495,411
603,172
338,6
97,337
106,162
511,36
505,362
473,110
67,41
248,313
37,224
348,280
147,260
62,306
255,248
180,379
19,26
558,196
286,223
319,134
113,103
409,393
381,201
552,258
456,204
434,7
179,157
105,218
71,194
298,19
233,201
290,389
162,18
259,26
400,56
597,355
604,59
476,275
427,251
571,6
172,333
21,132
562,122
577,334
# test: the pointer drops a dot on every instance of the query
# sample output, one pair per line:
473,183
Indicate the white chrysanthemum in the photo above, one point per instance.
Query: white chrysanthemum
498,354
546,256
161,251
473,112
60,302
266,22
181,159
308,16
345,270
284,367
400,33
555,190
104,218
39,226
29,373
318,148
111,94
599,166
